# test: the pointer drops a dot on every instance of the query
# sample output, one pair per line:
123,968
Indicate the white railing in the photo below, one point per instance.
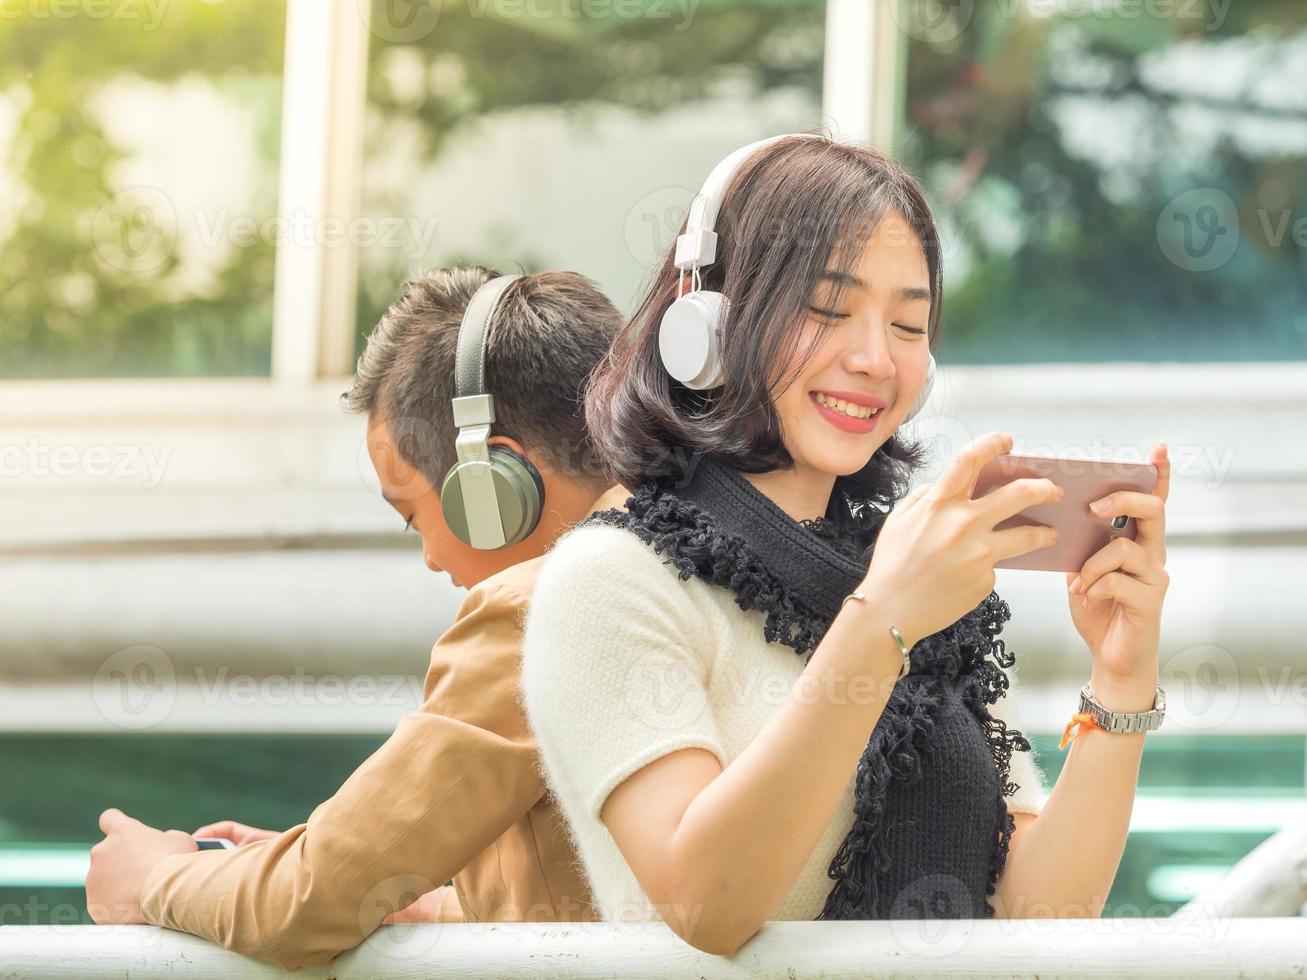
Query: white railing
1161,947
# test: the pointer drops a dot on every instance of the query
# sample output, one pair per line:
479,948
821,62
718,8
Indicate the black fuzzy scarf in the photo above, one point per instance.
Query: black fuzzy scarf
717,526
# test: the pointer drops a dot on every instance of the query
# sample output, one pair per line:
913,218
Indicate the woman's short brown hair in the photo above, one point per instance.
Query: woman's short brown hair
793,207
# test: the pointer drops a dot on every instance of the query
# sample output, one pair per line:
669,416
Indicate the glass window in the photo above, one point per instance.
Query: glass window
139,146
573,139
1117,181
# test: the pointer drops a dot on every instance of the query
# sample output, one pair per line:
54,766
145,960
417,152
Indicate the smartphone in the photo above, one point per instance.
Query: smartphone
1080,532
213,844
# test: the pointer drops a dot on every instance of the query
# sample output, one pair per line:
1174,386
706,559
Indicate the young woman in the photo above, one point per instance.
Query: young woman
744,712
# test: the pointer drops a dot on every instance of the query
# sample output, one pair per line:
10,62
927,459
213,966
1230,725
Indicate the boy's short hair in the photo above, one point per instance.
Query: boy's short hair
550,331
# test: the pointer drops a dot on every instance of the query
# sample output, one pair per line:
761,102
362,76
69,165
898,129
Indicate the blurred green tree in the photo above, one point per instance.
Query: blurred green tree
1066,241
90,277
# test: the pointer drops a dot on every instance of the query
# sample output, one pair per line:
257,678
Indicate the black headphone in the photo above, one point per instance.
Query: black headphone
492,497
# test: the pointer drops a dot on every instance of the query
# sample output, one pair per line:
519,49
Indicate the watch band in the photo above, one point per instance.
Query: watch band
1125,722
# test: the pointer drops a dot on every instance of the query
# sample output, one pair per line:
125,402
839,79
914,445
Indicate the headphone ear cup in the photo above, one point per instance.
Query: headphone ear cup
925,390
519,498
689,339
525,479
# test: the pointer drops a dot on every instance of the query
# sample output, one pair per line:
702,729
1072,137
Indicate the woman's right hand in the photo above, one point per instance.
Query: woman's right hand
936,551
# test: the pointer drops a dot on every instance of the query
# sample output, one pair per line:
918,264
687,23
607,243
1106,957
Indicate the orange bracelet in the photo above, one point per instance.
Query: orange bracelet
1082,721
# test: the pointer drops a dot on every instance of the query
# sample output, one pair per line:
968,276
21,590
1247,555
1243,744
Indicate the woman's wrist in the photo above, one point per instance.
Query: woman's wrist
892,637
1115,693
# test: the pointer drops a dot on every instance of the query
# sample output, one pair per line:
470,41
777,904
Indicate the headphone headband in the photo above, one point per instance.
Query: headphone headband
470,357
697,248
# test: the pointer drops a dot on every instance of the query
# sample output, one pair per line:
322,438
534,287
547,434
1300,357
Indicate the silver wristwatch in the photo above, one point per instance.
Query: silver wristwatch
1125,722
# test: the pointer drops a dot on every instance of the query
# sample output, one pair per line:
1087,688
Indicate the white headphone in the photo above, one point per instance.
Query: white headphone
689,337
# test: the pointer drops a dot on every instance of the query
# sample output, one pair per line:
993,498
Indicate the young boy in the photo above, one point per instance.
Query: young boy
456,791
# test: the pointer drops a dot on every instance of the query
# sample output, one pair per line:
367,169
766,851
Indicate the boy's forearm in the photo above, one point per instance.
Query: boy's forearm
402,825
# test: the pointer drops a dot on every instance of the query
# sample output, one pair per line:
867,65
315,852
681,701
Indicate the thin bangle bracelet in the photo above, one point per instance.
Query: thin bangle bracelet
898,637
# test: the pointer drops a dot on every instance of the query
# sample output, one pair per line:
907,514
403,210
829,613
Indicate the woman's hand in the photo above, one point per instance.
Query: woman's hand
1116,600
935,554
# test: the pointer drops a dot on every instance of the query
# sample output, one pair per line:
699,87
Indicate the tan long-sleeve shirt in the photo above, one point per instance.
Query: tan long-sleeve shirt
456,792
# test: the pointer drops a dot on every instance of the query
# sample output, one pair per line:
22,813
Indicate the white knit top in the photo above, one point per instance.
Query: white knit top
623,663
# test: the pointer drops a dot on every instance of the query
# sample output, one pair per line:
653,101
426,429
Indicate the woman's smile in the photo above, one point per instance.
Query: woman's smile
846,411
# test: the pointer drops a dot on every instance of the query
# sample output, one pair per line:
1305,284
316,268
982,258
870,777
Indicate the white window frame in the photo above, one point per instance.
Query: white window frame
324,100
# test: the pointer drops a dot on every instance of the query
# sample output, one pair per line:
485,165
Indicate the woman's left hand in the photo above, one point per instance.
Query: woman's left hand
1117,602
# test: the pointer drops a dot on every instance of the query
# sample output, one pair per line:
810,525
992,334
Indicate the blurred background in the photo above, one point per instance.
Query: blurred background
207,611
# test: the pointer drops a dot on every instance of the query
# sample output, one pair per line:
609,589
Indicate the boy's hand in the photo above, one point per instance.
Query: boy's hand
121,862
237,833
434,906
